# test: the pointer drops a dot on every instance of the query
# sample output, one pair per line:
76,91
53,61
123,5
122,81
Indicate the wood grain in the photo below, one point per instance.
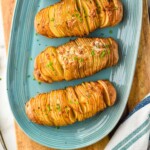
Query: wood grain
141,82
140,86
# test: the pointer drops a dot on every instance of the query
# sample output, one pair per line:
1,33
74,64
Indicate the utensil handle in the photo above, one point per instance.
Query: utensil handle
2,141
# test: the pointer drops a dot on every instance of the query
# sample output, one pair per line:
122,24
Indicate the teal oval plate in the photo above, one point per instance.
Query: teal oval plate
25,45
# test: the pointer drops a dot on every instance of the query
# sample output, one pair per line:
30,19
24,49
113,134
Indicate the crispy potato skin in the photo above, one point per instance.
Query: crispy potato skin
75,59
77,18
67,106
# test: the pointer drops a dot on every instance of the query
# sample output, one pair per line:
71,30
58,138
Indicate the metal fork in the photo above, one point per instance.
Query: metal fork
2,141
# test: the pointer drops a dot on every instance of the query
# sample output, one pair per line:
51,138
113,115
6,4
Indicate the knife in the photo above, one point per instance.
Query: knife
2,141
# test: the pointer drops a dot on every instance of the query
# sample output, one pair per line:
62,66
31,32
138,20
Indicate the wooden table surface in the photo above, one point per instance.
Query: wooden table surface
140,86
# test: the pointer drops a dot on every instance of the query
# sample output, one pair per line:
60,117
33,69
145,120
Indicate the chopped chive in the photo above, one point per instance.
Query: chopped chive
0,78
88,95
48,107
70,101
76,102
67,109
110,31
115,8
78,16
39,83
50,65
39,44
80,19
73,102
106,45
30,58
108,51
92,52
99,8
37,39
102,34
36,34
28,76
81,59
103,54
33,78
75,58
58,107
57,127
52,19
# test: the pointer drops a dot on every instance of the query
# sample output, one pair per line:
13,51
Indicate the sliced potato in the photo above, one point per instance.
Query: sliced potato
66,106
75,59
52,21
91,14
77,17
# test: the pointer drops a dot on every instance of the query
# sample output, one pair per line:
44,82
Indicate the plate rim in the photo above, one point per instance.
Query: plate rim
13,24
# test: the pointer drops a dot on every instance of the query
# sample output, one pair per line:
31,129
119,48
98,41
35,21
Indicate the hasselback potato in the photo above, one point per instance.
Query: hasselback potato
75,59
77,17
64,107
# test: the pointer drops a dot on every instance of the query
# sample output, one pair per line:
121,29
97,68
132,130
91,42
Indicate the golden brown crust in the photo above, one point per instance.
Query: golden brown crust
118,12
75,59
77,18
41,23
64,107
112,93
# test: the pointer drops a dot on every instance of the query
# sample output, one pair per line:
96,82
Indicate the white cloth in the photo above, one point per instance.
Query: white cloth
134,132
